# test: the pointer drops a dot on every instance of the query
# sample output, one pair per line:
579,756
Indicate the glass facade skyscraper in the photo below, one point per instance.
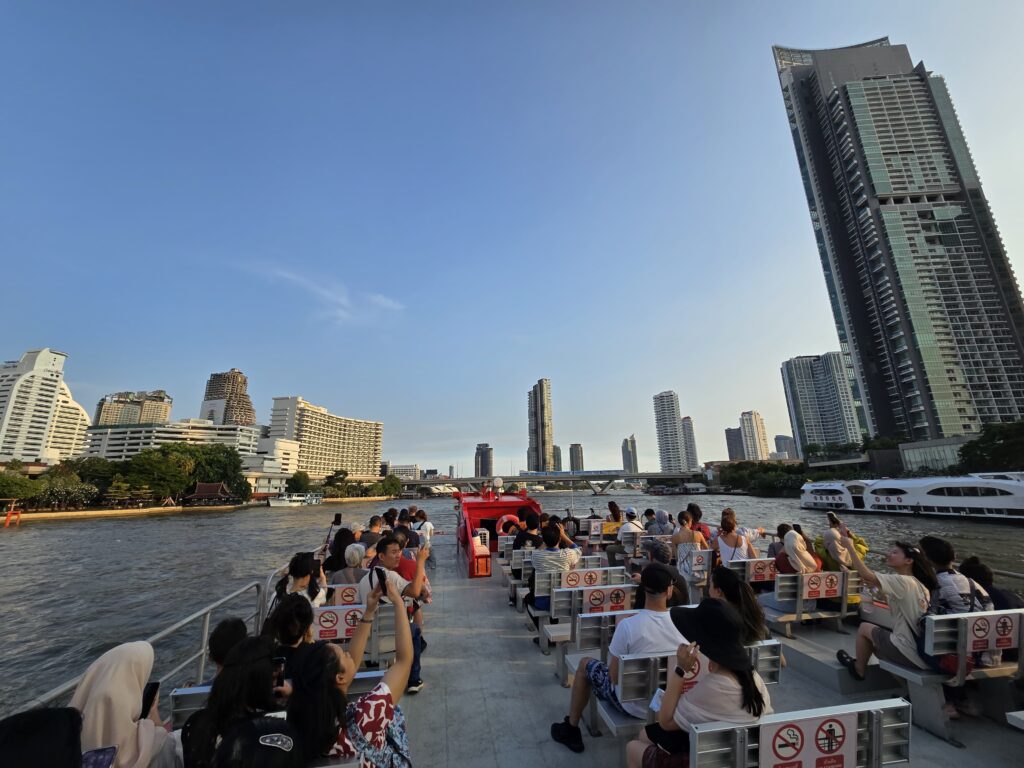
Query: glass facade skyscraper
928,311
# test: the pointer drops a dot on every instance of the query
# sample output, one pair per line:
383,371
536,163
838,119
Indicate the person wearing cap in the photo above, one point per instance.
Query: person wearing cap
649,630
907,591
659,551
616,551
728,689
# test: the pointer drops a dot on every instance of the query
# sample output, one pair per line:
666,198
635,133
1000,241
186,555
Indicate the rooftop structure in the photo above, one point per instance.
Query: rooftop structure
226,400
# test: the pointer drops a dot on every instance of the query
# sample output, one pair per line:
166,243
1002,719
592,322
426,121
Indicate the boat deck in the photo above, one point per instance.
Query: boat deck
491,695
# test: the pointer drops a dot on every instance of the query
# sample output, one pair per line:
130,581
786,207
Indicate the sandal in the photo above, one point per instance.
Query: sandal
850,663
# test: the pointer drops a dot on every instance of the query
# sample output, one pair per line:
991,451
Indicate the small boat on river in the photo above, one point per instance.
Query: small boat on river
296,500
991,496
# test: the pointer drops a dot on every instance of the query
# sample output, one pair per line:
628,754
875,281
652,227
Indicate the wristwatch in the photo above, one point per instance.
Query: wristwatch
680,671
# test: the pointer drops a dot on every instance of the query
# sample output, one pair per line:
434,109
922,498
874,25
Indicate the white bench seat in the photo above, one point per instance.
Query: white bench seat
1016,719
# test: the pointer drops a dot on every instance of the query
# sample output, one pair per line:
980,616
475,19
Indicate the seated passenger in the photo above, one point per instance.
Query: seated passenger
1002,599
373,533
779,546
687,541
225,636
301,580
50,736
370,729
696,513
614,513
649,519
727,586
528,538
353,571
261,742
110,697
659,551
730,690
243,690
290,625
907,592
650,630
957,593
617,551
795,558
730,543
662,524
336,560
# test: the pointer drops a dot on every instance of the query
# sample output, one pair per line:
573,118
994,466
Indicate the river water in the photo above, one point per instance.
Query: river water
70,590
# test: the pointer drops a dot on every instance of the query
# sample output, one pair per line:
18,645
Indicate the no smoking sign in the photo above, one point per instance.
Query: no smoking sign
813,742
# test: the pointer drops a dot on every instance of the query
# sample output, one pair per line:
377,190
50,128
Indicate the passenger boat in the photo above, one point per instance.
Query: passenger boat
483,510
993,496
296,499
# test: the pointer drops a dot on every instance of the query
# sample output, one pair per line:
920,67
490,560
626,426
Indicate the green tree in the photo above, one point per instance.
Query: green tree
61,490
160,472
391,486
298,483
999,447
119,492
336,478
15,486
94,471
14,465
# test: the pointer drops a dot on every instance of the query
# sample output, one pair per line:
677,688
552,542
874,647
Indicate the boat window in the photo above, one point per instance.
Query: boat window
888,491
970,490
943,492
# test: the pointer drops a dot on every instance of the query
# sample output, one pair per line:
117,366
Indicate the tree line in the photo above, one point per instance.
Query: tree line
337,486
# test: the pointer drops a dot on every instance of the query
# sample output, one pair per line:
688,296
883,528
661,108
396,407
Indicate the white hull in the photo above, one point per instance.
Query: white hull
296,500
975,497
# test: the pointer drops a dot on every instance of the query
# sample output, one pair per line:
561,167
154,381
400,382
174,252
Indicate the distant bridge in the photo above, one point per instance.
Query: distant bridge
597,481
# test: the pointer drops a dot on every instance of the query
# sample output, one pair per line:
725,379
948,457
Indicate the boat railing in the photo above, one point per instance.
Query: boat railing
176,630
1018,577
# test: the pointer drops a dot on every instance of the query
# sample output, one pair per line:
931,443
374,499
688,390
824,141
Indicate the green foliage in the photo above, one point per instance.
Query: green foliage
94,471
15,486
335,479
61,489
119,491
999,447
298,483
159,471
391,486
377,489
14,465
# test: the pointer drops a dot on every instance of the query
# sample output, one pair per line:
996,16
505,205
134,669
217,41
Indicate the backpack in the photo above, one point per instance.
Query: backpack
946,663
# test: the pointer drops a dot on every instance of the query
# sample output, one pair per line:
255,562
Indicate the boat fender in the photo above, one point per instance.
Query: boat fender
499,527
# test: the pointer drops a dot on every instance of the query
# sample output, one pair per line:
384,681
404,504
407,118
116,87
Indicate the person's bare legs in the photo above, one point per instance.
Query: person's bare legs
635,750
865,647
580,696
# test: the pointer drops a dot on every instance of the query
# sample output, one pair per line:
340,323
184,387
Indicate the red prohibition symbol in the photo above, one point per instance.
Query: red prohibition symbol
831,581
830,736
814,582
980,628
617,596
760,567
328,619
1004,626
352,618
787,742
348,595
572,579
590,577
597,597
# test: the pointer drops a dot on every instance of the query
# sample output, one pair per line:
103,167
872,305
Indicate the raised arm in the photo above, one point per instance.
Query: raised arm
686,657
397,676
357,645
416,585
866,573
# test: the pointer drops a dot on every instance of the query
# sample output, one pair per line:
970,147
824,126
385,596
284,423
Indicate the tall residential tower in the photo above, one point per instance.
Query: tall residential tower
629,462
755,439
928,311
689,444
540,455
576,457
483,461
821,409
668,427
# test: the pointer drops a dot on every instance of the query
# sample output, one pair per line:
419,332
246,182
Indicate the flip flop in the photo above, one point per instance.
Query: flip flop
850,663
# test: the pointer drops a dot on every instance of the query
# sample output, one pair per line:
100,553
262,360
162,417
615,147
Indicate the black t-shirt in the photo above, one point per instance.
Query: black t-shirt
525,537
414,538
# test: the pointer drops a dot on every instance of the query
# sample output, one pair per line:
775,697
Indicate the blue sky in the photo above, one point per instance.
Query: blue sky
411,211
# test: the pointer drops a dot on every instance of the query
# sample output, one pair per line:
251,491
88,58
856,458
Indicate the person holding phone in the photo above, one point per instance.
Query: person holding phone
372,728
116,710
389,557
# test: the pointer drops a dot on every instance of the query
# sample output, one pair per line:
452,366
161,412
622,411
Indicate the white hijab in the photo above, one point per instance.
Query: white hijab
796,551
110,700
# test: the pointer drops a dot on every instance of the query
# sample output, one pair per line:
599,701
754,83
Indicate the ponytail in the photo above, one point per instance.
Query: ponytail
740,596
753,701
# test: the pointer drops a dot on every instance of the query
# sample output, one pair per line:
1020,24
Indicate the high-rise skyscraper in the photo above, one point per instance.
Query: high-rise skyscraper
134,408
540,455
821,409
787,445
668,427
483,462
39,420
327,442
734,443
451,470
226,400
557,456
576,457
690,460
928,311
629,462
755,439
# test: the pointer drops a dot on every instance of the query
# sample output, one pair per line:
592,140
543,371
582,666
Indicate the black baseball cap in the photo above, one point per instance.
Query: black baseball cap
717,628
656,578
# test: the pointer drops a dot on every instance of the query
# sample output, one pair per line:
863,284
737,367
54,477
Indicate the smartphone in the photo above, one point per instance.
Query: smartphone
337,519
99,758
382,580
149,694
279,662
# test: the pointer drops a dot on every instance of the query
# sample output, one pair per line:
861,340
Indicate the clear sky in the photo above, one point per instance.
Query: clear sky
411,211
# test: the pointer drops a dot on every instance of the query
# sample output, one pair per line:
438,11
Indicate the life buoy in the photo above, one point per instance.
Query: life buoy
499,527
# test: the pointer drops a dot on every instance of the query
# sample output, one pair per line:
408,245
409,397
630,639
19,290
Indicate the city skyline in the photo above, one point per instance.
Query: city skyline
284,214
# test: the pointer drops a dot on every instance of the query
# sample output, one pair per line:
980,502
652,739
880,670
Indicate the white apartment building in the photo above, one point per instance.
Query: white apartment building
407,471
327,442
690,460
668,427
120,442
755,438
39,420
275,461
821,407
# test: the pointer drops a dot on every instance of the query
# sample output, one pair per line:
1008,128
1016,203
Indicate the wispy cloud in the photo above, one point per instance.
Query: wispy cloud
332,299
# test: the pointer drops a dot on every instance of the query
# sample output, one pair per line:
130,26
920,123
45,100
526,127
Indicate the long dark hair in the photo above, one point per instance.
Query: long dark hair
922,568
316,708
290,620
741,597
244,688
614,511
299,566
342,539
753,700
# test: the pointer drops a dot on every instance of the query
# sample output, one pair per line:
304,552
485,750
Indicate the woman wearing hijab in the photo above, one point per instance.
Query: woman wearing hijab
662,524
729,689
797,558
110,700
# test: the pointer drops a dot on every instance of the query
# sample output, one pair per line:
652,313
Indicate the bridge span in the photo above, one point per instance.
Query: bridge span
598,481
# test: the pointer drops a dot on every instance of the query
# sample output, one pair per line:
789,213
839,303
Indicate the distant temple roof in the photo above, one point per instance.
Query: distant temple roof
205,491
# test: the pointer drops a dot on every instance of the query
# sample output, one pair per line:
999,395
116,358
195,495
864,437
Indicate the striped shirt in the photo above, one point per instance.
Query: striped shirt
549,560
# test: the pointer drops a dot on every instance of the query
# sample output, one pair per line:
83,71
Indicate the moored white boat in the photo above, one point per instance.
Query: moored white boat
296,499
996,496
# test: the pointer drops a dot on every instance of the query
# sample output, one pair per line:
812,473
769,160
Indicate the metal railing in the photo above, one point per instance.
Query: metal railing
202,615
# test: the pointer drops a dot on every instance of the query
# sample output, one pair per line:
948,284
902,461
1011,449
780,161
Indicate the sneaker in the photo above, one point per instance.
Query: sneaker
567,734
414,686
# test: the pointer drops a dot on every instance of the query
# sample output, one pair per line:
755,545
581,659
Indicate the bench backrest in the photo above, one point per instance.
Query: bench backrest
967,633
185,701
339,622
590,561
569,602
757,570
636,540
593,631
876,732
697,562
802,588
345,594
593,577
505,546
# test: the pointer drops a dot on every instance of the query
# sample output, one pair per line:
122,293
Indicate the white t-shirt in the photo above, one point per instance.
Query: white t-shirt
908,601
728,554
630,526
717,696
425,529
392,576
316,602
644,632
